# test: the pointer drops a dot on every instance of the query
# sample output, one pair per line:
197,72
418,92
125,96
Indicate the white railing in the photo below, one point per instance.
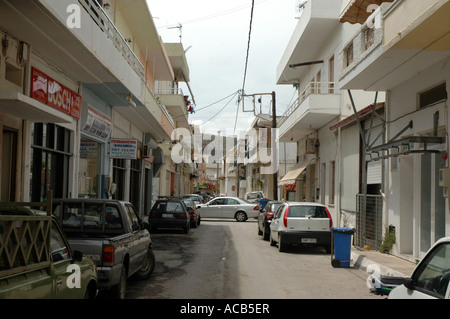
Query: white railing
107,26
169,91
166,112
311,88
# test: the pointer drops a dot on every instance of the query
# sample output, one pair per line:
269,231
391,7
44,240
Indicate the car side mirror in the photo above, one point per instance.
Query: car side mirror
77,256
409,283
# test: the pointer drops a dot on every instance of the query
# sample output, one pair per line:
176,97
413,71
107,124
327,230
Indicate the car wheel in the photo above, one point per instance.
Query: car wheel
259,230
118,292
149,266
241,216
186,229
198,221
265,233
194,224
281,245
272,242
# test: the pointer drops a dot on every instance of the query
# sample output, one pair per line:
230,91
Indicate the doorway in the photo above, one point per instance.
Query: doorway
432,201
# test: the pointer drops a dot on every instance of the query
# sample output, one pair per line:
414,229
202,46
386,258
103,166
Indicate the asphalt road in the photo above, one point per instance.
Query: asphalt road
224,259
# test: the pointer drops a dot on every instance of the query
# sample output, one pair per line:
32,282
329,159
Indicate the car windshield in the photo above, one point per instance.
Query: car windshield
306,211
89,216
168,206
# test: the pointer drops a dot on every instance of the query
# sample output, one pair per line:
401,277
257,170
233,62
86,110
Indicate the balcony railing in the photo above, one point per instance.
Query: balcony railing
166,112
311,88
107,26
170,91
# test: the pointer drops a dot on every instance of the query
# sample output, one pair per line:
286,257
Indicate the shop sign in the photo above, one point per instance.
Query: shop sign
123,148
97,123
54,94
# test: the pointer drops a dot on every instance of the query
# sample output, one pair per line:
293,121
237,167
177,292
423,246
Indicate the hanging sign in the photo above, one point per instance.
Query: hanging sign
123,148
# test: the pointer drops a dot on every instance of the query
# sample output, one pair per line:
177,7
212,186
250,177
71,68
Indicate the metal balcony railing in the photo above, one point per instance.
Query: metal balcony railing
311,88
166,112
169,91
107,26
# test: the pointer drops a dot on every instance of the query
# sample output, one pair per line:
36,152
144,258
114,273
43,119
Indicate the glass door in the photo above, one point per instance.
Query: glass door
432,201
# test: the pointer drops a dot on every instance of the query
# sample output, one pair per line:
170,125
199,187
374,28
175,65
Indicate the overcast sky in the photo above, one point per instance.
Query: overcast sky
215,35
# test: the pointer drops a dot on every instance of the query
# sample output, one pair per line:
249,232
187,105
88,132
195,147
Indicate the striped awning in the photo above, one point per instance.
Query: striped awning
357,11
292,175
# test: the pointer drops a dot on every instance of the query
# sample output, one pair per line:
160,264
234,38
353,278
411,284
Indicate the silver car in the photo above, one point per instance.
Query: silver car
229,207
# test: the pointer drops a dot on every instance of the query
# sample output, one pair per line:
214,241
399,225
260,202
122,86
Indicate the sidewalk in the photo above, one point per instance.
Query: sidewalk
389,265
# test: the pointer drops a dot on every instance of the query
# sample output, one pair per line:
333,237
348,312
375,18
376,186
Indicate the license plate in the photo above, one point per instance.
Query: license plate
167,216
309,240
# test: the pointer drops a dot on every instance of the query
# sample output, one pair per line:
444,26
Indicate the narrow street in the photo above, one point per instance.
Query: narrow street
223,259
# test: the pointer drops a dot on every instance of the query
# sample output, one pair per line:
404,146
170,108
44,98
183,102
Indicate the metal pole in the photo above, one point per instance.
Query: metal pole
274,149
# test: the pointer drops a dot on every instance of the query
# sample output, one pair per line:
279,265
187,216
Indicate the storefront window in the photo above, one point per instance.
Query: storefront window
89,177
49,169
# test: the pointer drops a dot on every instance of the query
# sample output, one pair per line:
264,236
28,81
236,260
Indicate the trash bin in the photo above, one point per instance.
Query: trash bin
342,243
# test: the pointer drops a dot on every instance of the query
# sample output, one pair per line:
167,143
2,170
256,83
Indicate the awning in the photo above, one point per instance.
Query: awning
292,175
357,11
27,108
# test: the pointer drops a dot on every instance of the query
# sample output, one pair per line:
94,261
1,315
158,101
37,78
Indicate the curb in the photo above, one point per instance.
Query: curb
369,266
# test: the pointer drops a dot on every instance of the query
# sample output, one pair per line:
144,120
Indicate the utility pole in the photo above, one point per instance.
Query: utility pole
274,149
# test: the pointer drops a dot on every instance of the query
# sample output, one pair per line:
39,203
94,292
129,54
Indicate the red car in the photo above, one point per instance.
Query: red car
194,214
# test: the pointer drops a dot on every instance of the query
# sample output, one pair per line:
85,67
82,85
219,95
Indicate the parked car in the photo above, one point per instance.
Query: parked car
197,198
431,277
37,260
169,213
254,197
112,233
229,207
194,213
265,218
301,223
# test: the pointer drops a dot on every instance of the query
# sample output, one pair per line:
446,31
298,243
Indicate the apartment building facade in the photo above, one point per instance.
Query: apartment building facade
79,114
326,168
409,60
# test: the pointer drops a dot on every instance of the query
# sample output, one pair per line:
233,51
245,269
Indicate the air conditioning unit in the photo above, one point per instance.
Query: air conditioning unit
310,147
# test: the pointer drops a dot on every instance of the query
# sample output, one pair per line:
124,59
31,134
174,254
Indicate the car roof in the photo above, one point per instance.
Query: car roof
304,204
90,200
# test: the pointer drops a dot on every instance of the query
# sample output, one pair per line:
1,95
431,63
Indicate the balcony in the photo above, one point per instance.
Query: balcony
175,102
407,40
318,20
316,106
93,53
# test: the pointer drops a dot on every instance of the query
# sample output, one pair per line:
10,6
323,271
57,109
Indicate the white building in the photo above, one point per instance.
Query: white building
409,59
326,169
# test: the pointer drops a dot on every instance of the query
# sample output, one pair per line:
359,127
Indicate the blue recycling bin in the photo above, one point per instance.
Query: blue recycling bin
342,244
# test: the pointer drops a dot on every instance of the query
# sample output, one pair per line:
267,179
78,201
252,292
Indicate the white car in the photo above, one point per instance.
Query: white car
254,197
229,207
430,279
301,223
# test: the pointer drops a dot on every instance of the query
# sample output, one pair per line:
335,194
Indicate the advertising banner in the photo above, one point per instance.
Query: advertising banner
55,94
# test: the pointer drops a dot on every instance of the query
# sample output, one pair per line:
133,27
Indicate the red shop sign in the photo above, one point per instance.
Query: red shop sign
53,93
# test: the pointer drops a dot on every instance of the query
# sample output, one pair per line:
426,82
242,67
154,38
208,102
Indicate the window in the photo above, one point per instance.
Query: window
434,273
306,211
59,251
88,181
432,96
50,155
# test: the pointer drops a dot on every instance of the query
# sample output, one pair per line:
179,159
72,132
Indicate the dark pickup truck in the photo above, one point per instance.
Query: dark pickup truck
112,234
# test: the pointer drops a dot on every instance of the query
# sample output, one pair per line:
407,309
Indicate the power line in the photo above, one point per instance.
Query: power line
220,109
246,62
